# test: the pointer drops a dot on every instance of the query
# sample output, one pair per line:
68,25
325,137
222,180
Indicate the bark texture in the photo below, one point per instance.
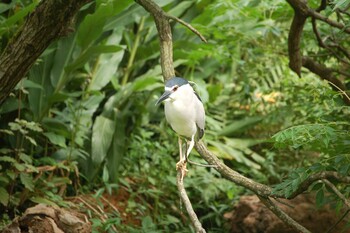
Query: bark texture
51,20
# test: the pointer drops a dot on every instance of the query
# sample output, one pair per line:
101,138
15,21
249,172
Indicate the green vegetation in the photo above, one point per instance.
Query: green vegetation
83,121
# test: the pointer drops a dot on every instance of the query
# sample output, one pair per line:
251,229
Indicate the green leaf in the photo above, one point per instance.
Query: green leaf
26,83
31,140
7,159
20,167
92,26
62,57
108,63
42,200
91,52
240,125
319,198
25,158
16,17
56,126
102,134
4,196
27,181
56,139
105,174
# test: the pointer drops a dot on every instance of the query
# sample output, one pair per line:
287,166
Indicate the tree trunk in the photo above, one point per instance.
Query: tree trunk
49,21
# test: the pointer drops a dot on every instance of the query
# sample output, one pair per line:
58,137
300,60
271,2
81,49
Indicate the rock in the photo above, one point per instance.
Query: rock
251,216
43,219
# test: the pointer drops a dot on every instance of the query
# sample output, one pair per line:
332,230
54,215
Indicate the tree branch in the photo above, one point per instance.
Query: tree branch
166,57
189,26
282,215
325,19
301,12
165,36
184,198
294,36
319,176
327,74
40,29
264,192
337,192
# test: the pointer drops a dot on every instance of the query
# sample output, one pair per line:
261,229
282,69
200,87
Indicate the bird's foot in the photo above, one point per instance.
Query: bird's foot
181,165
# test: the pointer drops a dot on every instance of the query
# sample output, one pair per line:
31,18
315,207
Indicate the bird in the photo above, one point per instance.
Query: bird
185,113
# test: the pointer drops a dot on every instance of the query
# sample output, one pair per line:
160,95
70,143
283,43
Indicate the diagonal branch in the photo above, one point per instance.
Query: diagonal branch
282,215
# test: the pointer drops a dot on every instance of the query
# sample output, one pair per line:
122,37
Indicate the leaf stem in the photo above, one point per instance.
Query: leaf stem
133,52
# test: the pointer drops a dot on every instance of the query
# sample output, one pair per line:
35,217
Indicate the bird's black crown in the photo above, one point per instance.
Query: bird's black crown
176,81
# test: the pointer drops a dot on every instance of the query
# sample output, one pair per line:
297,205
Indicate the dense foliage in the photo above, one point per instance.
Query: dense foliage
84,120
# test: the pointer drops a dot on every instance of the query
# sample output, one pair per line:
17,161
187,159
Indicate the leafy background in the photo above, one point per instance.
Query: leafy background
83,121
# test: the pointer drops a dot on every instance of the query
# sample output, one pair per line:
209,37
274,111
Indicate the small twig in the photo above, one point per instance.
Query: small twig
92,208
339,220
284,203
339,89
110,204
100,213
181,171
201,165
325,19
336,191
189,26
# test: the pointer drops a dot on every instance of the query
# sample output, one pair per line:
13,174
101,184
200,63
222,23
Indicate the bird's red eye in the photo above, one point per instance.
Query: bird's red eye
175,88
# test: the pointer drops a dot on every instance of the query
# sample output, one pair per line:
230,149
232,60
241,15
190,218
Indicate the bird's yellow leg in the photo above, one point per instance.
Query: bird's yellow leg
182,157
189,148
180,147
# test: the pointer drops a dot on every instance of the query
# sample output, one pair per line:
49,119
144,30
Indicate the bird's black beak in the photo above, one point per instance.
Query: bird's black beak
165,95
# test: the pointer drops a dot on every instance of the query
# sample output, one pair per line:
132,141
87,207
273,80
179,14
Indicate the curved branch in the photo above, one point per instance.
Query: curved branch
40,29
294,36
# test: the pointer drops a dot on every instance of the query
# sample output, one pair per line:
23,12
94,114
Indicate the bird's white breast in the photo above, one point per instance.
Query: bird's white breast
180,113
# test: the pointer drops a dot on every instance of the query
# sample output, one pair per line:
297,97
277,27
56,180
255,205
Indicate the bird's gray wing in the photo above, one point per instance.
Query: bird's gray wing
200,117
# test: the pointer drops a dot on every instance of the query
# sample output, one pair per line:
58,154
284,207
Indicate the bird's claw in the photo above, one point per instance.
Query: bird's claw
181,165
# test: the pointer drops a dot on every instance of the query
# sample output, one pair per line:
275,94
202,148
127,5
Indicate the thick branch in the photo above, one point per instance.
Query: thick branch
301,12
326,74
49,21
230,174
295,33
165,36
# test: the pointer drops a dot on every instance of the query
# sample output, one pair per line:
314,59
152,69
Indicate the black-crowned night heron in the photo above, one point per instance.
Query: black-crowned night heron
185,113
